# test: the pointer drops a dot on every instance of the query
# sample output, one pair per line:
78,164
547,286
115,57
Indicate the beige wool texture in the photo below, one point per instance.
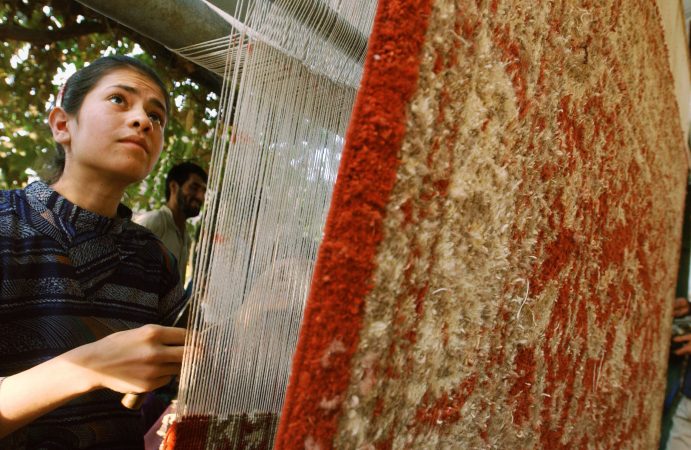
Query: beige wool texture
500,130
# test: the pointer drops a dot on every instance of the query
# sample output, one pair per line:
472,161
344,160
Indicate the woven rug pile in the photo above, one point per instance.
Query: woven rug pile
501,251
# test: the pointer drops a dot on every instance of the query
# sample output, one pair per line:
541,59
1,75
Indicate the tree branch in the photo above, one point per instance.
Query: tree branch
97,23
43,37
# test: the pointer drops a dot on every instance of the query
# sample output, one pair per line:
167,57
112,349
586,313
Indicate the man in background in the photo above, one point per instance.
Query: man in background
185,190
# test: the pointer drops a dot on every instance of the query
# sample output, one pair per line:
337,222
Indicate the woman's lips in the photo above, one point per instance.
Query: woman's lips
135,141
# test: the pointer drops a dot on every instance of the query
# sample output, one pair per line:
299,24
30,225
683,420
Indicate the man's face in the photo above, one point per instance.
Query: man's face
190,196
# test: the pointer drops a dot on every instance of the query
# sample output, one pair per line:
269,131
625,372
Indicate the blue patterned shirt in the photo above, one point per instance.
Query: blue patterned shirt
69,277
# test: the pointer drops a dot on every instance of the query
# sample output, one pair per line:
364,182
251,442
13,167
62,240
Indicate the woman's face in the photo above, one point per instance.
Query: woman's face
117,134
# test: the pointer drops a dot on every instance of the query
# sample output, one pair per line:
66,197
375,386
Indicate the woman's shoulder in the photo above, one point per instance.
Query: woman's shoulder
147,243
5,203
14,211
8,198
23,204
140,232
141,237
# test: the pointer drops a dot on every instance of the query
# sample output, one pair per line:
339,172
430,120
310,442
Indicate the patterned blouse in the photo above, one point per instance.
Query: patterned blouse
69,277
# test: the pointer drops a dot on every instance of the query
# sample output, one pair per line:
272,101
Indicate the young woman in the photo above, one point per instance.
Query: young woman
80,284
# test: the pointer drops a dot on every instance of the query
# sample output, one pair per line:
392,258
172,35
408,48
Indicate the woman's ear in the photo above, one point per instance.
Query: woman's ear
57,119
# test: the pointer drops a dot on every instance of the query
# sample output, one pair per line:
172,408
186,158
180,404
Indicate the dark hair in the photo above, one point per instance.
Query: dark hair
78,85
181,172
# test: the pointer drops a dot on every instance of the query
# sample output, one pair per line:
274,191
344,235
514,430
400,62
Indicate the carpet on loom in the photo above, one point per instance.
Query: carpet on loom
500,254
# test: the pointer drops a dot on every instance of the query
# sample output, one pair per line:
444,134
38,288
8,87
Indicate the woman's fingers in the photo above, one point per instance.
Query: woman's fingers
171,354
682,338
162,335
681,307
173,336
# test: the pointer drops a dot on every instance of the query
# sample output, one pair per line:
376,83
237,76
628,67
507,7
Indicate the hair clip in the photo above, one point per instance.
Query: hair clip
61,95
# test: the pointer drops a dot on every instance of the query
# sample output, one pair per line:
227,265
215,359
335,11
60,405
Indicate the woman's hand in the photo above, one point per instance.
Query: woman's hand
137,360
685,340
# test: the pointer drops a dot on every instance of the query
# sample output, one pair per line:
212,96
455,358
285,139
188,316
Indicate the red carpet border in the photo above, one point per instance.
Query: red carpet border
500,254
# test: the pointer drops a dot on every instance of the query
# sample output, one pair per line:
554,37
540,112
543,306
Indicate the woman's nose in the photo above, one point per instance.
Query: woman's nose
140,119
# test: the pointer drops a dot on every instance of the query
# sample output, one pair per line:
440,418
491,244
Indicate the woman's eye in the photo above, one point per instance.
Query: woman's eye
156,118
117,99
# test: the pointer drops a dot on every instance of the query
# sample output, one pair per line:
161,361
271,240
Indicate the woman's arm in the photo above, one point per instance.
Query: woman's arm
136,360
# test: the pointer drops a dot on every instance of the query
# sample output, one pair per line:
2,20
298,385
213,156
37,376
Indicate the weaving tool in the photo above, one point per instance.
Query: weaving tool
135,401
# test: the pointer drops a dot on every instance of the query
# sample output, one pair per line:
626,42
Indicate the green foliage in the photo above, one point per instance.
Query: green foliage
33,60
